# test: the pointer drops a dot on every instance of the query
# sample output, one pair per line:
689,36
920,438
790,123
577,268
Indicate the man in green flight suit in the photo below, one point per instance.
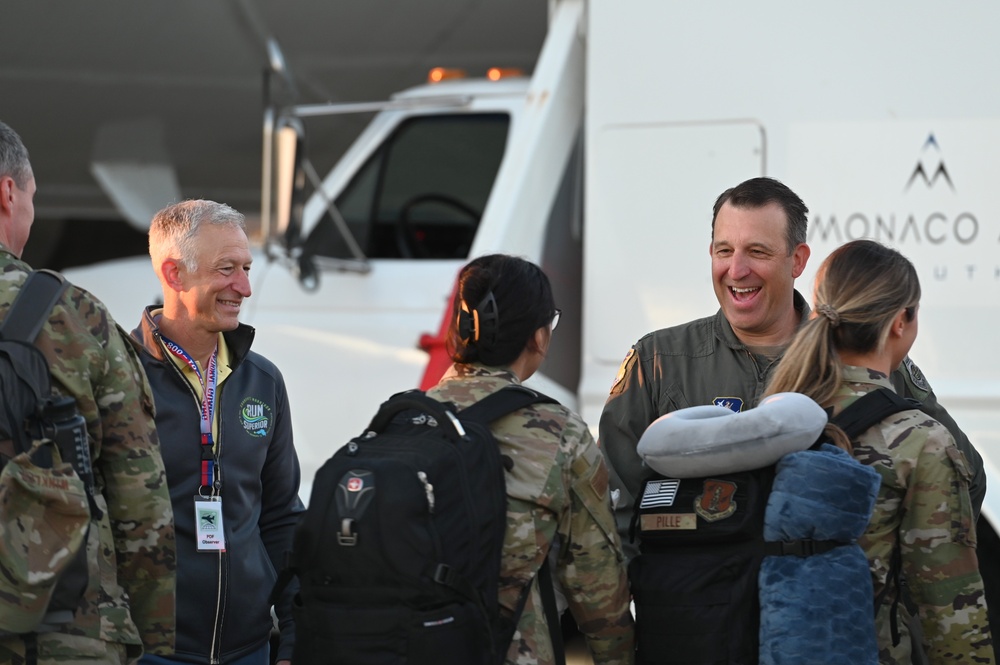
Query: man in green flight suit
758,248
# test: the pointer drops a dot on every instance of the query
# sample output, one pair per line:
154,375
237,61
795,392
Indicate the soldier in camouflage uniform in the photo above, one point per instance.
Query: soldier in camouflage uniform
865,322
129,602
558,487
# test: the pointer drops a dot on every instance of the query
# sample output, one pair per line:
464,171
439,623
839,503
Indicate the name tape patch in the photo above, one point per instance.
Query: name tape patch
670,522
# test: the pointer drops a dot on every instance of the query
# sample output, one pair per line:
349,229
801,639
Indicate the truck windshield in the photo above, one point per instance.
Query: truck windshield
422,193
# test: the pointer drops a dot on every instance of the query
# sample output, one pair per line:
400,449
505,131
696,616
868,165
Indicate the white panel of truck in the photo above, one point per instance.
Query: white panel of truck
859,105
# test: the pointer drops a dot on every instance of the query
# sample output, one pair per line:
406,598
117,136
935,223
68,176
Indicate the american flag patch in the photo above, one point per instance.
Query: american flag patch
659,493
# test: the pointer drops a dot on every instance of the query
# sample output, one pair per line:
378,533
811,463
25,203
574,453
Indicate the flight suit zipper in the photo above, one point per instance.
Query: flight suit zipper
761,377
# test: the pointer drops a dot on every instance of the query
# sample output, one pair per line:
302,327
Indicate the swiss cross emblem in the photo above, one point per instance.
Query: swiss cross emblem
355,485
716,500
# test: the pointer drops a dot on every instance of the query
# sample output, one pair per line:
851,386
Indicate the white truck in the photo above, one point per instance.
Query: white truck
603,167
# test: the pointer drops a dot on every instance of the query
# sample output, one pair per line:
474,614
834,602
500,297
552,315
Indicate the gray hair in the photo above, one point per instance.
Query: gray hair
173,229
14,157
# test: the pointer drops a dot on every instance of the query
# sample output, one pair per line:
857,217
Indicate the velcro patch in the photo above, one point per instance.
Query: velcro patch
669,522
734,404
916,376
659,493
716,501
623,369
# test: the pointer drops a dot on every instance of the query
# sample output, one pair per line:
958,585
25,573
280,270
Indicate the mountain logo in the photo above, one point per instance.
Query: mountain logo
925,171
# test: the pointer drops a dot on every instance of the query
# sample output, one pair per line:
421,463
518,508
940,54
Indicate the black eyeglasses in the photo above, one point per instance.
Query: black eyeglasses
555,319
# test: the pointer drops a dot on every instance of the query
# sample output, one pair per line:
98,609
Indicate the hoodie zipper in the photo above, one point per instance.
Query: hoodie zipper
216,650
216,647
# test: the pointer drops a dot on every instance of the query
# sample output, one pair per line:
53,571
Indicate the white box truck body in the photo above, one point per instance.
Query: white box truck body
603,168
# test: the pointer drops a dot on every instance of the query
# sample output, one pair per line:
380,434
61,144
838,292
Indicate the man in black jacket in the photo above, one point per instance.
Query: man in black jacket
225,430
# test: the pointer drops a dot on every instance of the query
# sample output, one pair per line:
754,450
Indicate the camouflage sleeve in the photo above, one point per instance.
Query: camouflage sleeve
591,566
937,540
627,412
909,381
137,494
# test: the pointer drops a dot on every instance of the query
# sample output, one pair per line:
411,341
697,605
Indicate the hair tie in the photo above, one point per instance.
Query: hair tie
830,313
481,322
468,323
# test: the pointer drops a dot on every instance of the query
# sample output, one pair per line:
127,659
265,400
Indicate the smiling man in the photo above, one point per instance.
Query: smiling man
754,263
758,250
225,431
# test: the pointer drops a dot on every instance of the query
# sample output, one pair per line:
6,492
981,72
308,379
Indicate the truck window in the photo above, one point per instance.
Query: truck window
69,243
422,193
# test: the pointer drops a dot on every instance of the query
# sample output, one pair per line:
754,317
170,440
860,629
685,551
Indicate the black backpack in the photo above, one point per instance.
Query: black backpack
696,589
398,554
44,457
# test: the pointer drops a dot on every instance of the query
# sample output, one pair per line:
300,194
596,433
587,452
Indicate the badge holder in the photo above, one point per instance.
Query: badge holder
208,522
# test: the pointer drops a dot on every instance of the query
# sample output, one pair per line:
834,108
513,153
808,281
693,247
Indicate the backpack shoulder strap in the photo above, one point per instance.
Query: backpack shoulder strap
417,400
546,587
38,295
871,409
506,400
551,609
492,407
865,412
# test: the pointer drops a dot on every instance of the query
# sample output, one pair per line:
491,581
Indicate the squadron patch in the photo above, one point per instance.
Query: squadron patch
716,500
916,376
619,383
734,404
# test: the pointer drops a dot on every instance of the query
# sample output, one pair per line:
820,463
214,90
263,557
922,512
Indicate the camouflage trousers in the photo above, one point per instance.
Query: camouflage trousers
66,650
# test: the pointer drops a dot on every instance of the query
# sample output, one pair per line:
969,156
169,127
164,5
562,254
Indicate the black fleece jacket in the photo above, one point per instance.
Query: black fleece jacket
222,599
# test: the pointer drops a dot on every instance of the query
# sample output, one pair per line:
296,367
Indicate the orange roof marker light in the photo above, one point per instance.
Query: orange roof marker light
497,73
439,74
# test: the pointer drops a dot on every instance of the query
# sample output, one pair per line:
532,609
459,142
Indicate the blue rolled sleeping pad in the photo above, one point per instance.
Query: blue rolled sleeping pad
819,608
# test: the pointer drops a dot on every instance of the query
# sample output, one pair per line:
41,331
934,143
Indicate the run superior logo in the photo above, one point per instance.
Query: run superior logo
255,416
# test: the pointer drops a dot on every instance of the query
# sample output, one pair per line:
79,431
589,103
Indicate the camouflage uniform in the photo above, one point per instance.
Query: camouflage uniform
129,603
557,497
704,362
923,504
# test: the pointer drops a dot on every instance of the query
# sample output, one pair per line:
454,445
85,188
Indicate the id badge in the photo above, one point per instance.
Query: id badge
208,521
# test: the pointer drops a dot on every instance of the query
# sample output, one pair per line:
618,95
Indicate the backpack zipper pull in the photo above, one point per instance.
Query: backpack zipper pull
428,489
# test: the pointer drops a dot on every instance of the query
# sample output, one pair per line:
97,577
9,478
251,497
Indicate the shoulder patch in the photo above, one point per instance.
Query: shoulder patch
623,370
734,404
916,376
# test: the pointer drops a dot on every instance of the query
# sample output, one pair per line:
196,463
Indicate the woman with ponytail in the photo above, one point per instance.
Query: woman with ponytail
864,323
504,317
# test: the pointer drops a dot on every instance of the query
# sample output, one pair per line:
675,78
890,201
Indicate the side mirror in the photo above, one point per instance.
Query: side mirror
283,182
290,182
306,272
